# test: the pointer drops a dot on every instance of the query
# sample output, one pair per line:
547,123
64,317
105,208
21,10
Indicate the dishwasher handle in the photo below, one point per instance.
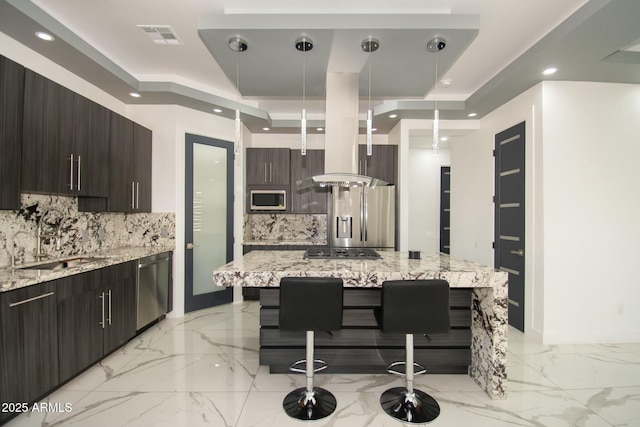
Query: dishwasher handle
150,263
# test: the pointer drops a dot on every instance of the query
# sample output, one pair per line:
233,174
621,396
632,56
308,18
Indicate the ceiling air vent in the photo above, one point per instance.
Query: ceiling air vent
161,34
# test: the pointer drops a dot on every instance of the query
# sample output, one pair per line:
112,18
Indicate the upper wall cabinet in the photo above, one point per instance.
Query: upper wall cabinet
382,164
65,141
130,159
267,166
11,105
309,200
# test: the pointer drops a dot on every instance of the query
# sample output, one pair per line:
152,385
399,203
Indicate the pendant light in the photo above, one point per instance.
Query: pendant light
435,45
303,44
370,45
238,45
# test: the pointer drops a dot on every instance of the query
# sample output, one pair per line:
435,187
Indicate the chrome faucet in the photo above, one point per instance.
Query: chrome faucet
40,236
13,245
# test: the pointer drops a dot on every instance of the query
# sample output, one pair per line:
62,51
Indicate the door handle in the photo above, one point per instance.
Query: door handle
79,166
519,252
101,297
191,246
71,172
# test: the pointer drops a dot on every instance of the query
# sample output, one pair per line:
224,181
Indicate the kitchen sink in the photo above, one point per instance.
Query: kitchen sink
62,264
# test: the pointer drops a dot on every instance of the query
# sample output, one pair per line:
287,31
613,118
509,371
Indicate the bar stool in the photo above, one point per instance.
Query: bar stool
310,304
412,307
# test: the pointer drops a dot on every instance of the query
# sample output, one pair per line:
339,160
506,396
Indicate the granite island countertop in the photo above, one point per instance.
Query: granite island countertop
489,315
19,277
266,268
283,242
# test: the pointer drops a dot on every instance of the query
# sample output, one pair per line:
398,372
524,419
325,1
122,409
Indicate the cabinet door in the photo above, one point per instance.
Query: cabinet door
91,148
142,151
120,305
309,200
79,316
257,165
279,166
48,136
11,106
382,164
121,182
30,344
267,166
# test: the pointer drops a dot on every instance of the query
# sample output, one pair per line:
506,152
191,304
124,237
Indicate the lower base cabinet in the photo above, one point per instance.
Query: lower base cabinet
29,337
51,332
96,314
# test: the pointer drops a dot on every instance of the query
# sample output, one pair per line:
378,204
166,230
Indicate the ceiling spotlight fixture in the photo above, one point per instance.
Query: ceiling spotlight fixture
445,83
238,45
266,129
370,45
393,116
135,95
217,110
45,36
435,45
472,114
549,71
303,44
319,129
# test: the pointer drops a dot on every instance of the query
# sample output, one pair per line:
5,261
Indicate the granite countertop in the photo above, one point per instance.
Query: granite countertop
281,242
14,278
266,268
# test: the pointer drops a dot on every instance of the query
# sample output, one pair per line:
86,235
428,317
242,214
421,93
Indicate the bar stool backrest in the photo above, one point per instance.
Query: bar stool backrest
311,303
415,307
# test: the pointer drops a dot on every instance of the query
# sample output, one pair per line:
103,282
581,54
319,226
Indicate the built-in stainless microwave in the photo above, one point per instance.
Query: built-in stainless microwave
268,200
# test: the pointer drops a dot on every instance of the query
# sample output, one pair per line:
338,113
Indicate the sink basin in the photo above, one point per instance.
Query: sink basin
62,264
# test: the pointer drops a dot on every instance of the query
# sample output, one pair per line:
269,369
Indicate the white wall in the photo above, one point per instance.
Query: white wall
591,212
424,194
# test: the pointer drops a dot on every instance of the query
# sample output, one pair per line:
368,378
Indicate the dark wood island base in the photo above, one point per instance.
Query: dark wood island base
360,346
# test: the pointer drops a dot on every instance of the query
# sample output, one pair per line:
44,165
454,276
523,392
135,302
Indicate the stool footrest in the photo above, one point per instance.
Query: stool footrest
322,365
391,368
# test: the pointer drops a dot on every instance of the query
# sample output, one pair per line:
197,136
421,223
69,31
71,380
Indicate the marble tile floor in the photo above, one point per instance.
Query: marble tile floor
203,370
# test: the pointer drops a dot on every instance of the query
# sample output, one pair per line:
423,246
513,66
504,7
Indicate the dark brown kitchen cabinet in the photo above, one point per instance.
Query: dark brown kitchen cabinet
382,164
65,141
96,315
11,106
308,200
268,166
30,343
130,160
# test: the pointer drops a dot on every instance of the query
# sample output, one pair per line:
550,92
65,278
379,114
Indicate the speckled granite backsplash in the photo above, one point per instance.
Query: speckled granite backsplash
289,227
81,232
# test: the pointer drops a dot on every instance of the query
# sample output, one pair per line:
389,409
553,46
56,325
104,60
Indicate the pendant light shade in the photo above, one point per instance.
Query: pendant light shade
370,45
303,44
435,45
238,45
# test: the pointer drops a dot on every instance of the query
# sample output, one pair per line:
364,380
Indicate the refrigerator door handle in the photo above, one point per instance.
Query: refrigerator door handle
366,213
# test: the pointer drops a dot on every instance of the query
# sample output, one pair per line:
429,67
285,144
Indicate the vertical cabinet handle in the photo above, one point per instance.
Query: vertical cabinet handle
265,172
109,311
79,166
102,307
137,195
270,172
71,172
133,195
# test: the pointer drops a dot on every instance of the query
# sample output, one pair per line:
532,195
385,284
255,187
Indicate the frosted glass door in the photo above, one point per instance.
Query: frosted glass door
209,167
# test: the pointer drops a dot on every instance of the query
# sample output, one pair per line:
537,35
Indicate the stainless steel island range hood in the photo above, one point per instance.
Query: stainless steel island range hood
340,180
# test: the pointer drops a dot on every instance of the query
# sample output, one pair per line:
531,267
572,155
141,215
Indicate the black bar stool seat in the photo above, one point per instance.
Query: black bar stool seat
310,304
412,307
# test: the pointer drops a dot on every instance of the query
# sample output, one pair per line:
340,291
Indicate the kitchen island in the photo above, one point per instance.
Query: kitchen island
487,311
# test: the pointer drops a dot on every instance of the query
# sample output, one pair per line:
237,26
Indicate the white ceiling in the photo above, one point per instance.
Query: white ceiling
495,50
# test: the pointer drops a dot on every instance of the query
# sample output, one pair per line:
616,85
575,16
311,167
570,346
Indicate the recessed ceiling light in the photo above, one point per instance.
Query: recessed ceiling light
472,114
135,94
265,128
374,129
549,71
444,138
445,83
217,110
319,129
45,36
393,116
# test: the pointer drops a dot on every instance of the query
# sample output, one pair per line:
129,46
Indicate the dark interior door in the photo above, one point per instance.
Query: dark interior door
509,216
209,219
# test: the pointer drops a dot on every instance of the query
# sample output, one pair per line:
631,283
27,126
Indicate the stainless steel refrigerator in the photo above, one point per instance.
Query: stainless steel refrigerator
362,217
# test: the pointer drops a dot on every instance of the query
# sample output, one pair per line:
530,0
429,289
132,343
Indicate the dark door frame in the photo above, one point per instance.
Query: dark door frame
197,302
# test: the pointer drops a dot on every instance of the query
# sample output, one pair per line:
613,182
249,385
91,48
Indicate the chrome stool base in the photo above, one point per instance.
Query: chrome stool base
416,407
306,406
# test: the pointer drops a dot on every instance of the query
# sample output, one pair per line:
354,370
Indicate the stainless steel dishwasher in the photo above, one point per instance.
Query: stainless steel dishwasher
152,288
